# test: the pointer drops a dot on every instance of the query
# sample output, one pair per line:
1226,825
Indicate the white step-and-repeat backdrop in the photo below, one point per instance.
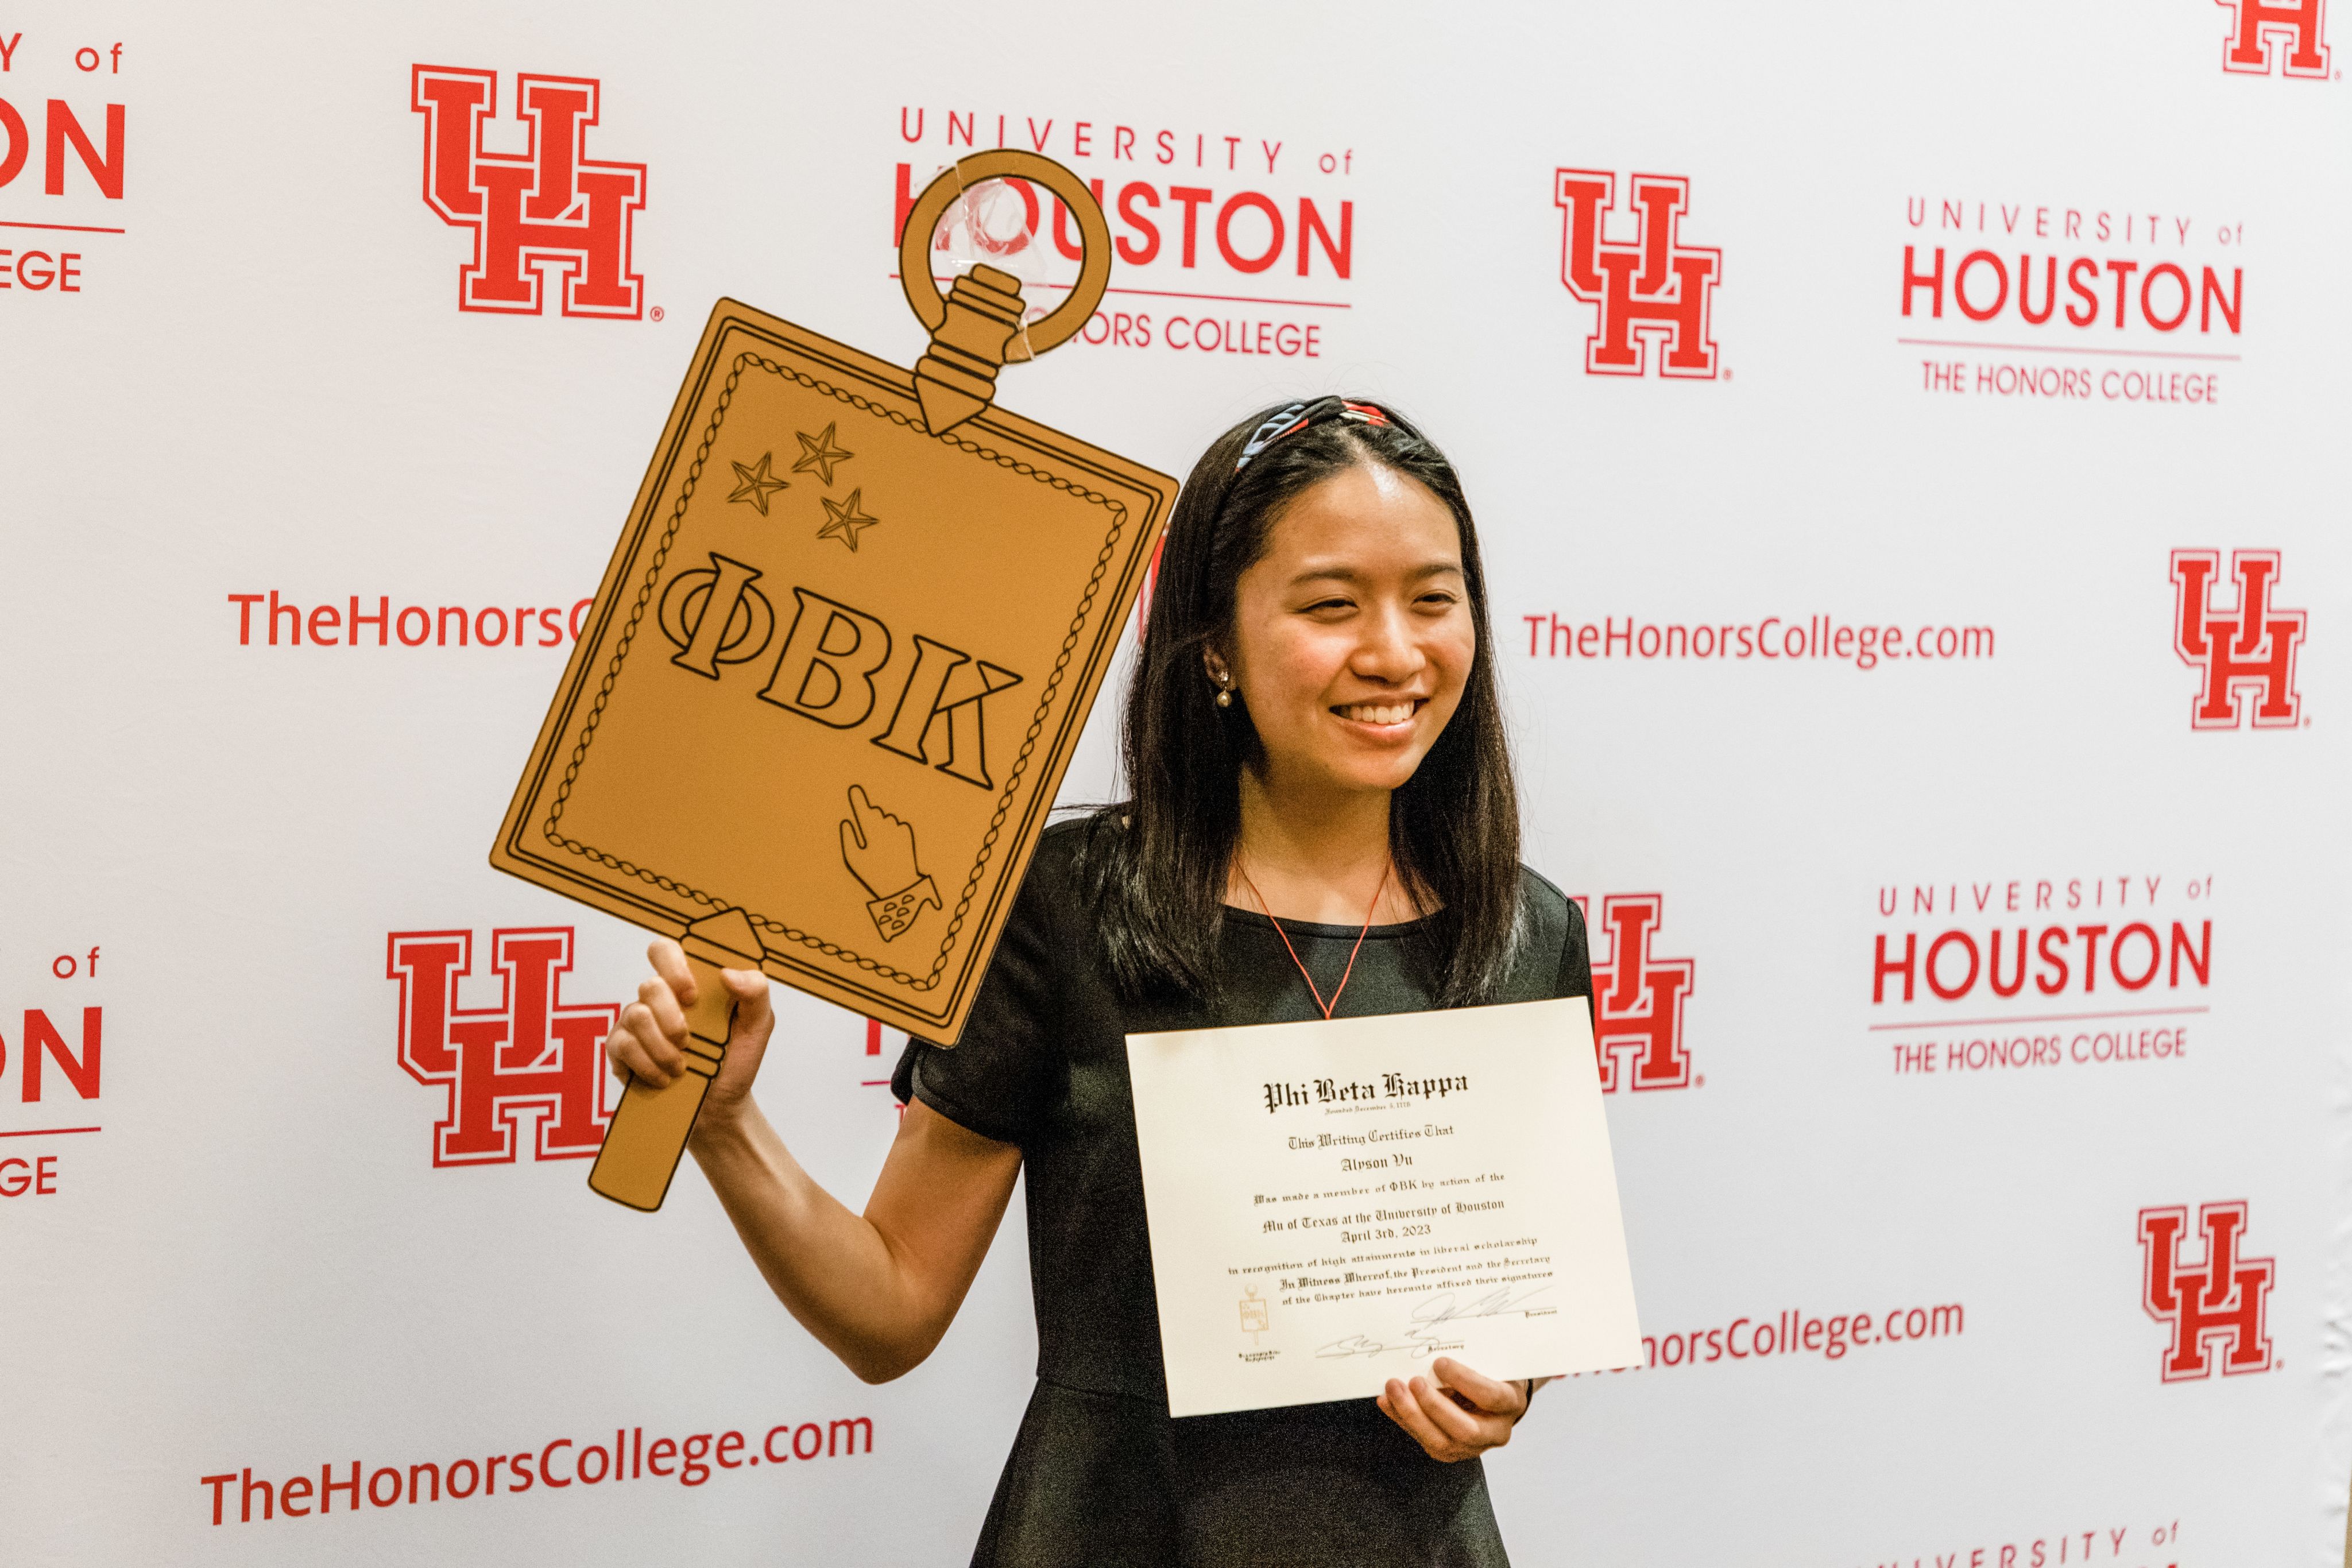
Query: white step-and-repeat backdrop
1909,447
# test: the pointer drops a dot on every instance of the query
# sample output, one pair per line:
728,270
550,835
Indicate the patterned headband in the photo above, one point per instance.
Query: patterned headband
1300,415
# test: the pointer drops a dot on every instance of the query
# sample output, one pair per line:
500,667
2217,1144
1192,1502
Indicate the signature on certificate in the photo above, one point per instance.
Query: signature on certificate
1422,1333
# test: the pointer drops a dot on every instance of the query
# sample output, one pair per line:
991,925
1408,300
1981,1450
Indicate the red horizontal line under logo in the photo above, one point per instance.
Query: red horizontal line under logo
2068,348
1177,294
77,228
2041,1017
49,1132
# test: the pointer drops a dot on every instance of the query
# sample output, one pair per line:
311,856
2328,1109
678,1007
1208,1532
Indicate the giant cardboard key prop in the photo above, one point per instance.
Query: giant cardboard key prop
838,662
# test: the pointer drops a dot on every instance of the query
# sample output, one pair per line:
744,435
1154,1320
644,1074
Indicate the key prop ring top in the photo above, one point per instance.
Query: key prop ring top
976,327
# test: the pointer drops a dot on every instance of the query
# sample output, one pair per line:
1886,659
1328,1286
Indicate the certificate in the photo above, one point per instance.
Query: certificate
1335,1204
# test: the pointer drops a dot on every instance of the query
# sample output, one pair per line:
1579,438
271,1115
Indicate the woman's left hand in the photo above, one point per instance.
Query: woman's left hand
1455,1412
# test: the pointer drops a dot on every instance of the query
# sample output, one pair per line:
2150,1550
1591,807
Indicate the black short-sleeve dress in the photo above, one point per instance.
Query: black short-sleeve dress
1099,1473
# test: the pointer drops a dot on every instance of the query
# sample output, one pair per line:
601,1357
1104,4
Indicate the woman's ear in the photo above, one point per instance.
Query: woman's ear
1220,677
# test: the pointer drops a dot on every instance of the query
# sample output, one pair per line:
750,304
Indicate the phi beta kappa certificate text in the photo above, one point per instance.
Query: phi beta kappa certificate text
1333,1204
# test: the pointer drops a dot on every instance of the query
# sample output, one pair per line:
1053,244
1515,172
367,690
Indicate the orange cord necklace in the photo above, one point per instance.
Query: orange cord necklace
1312,988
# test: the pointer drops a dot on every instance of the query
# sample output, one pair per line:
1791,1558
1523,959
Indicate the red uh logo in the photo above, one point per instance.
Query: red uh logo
2301,25
2250,646
531,1052
1637,1001
1653,288
552,208
2224,1297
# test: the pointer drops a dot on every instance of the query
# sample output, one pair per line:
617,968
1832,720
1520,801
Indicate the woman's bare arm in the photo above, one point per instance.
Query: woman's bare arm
879,1289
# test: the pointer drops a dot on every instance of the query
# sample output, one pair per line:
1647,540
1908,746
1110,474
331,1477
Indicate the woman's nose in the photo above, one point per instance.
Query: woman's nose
1388,652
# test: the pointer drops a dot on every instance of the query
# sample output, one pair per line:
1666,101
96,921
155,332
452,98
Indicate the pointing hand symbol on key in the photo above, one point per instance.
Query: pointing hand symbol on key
880,851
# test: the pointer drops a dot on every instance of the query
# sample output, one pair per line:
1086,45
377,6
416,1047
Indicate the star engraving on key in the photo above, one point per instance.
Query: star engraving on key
846,520
756,483
819,453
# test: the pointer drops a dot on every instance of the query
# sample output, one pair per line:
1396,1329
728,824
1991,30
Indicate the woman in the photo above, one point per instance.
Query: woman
1323,824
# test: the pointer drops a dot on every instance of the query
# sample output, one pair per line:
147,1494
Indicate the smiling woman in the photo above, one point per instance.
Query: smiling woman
1322,822
1322,570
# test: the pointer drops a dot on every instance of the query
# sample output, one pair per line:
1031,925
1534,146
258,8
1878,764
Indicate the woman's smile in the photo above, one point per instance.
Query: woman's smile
1388,720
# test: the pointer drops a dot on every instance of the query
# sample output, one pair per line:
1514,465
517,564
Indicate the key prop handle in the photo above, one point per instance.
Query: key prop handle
649,1128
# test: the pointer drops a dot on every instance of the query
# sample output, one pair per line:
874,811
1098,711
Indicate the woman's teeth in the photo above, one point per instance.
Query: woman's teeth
1378,713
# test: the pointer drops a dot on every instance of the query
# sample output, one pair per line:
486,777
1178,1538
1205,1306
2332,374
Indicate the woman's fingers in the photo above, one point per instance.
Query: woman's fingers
1485,1393
1396,1402
629,1058
637,1046
749,989
661,1006
1471,1428
668,960
1405,1407
648,1039
1438,1420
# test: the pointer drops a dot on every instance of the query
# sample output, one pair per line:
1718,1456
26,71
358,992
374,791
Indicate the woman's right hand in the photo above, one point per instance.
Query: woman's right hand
878,1287
648,1042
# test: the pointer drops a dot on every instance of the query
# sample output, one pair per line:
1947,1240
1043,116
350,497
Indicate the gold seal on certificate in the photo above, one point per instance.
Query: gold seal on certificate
1335,1204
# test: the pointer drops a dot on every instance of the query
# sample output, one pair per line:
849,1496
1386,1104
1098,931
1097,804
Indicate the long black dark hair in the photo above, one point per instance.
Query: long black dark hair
1157,863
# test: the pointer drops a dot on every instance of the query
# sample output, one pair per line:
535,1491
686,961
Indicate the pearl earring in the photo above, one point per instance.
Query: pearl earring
1224,687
